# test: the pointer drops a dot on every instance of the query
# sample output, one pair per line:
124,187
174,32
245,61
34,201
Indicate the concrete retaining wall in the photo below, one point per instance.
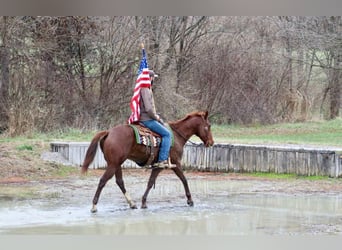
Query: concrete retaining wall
75,152
290,159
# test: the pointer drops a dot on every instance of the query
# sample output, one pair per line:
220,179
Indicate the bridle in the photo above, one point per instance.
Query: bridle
181,135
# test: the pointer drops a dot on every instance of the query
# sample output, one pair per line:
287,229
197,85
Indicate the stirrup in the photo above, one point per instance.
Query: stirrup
161,164
164,164
170,164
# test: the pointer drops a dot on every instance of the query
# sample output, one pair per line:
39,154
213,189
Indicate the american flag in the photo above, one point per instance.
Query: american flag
143,81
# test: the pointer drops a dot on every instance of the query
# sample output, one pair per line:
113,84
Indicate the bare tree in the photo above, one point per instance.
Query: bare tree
4,67
173,44
332,28
119,56
58,72
233,75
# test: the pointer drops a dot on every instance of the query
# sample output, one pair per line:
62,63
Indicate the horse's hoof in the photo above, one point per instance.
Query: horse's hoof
133,207
190,203
143,206
93,209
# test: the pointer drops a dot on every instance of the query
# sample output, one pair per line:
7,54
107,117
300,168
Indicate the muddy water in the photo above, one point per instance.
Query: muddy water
223,206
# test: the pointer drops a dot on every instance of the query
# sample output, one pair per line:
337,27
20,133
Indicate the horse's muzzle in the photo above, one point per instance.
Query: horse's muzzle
209,143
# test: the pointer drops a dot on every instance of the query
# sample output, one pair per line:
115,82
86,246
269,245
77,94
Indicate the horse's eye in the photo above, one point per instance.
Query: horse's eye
206,128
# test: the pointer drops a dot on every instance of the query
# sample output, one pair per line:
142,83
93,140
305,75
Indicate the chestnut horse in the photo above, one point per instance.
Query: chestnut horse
119,144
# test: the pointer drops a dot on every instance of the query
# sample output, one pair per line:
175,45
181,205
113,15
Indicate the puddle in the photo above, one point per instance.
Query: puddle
222,207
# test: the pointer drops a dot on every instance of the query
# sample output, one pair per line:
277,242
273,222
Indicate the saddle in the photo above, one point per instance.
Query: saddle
144,136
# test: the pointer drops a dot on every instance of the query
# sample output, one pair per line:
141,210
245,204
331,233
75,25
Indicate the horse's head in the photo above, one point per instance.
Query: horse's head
195,123
204,130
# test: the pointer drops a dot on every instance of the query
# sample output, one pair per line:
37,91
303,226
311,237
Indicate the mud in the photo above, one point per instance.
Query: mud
225,204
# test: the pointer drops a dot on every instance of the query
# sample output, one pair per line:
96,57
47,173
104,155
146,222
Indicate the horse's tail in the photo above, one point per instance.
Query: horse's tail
92,150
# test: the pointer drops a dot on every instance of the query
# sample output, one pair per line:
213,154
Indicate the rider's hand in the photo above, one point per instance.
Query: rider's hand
161,121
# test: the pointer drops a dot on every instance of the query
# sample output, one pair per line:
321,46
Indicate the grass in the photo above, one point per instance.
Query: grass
70,134
272,175
286,176
24,147
327,133
65,171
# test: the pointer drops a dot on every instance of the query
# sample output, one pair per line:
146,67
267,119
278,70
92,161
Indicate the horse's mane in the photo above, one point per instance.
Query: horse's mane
192,114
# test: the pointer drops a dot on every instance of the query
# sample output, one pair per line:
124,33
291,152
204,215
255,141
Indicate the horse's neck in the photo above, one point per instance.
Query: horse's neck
185,129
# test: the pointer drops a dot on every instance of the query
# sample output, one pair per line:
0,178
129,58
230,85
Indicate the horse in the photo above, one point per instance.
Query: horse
119,144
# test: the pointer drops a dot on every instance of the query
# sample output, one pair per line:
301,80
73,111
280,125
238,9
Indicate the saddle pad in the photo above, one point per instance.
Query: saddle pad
145,136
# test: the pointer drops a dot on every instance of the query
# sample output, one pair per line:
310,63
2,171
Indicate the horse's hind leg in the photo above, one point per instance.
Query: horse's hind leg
105,177
110,171
120,183
178,171
151,182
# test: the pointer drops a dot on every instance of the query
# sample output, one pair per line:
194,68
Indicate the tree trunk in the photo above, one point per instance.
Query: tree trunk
4,81
335,90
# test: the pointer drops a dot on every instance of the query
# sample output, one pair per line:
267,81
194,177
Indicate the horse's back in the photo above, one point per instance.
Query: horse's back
118,143
120,135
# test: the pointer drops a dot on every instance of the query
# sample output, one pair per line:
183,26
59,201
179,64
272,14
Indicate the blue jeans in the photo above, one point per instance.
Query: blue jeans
166,138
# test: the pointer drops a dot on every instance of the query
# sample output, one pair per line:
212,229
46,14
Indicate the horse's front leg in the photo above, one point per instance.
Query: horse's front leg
179,172
152,180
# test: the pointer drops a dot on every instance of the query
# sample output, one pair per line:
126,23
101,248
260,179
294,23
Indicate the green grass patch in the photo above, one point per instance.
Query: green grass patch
272,175
314,178
286,176
65,171
24,147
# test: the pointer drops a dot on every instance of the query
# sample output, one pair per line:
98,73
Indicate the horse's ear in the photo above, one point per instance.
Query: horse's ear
206,115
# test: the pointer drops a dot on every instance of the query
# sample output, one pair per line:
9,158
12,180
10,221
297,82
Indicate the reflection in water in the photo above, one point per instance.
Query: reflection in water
232,207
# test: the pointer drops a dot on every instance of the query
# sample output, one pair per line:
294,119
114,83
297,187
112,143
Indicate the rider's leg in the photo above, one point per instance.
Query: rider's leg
165,142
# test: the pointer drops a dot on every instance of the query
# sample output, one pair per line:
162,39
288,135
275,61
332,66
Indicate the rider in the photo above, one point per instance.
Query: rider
153,121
